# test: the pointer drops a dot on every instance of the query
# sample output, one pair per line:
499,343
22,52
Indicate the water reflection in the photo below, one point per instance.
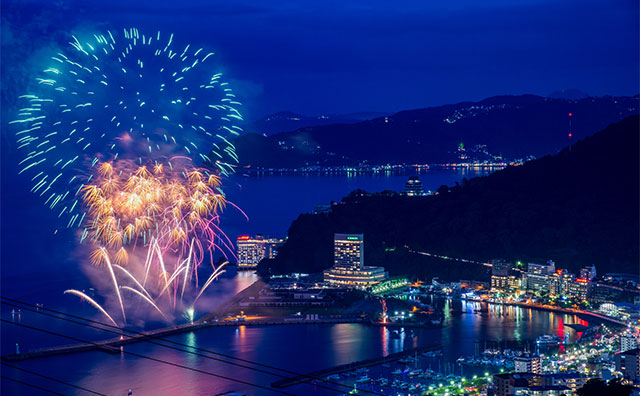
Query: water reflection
191,341
299,348
384,339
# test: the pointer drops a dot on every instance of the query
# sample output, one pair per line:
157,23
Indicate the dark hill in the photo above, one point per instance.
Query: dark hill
578,207
513,126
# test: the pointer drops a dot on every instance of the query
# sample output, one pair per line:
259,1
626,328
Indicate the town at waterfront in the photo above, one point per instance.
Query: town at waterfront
604,348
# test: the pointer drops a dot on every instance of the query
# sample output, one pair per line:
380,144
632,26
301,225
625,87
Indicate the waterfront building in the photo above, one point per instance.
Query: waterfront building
528,364
514,282
413,187
628,342
628,363
542,269
499,274
579,289
538,276
250,251
588,273
349,269
348,250
560,283
566,280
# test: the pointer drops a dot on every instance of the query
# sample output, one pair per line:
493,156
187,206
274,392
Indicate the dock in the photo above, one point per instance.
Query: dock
321,374
111,345
114,345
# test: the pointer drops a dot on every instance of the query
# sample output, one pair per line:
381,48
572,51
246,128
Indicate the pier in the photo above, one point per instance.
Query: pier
321,374
113,345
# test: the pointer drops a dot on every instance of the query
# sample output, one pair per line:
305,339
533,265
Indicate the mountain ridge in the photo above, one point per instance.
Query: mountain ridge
509,126
578,207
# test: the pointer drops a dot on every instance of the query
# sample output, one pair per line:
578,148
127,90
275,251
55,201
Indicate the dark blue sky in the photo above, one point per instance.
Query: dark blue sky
345,56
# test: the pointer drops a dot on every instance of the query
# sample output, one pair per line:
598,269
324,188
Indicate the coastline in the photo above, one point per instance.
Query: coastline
550,308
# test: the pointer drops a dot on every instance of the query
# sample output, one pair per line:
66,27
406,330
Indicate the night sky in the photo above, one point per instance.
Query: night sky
326,57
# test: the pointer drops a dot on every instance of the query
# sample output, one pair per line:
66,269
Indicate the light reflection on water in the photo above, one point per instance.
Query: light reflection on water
299,348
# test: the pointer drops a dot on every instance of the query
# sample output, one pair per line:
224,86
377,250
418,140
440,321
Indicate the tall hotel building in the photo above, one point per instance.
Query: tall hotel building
349,269
251,251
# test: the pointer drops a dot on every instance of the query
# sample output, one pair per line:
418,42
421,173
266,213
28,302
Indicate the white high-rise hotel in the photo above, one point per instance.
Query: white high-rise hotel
349,269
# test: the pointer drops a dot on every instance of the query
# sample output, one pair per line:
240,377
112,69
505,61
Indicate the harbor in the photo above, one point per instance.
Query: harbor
412,371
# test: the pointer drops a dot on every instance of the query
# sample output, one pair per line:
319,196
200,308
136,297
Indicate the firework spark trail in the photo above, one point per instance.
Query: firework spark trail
177,273
186,272
147,299
147,263
115,282
133,278
92,302
213,277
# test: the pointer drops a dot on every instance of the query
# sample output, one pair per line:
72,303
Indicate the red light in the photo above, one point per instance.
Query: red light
570,135
581,280
243,237
570,114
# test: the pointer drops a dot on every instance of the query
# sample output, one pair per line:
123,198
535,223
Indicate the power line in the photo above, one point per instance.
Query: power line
53,379
170,347
150,358
32,385
146,336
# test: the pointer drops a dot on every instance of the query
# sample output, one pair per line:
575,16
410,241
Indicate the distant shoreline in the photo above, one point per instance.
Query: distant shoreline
560,310
389,168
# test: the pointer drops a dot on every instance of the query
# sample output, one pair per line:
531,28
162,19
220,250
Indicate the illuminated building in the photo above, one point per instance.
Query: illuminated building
511,384
413,187
349,269
579,289
500,275
251,251
566,280
572,381
527,364
514,281
348,250
538,276
588,273
628,342
560,283
628,363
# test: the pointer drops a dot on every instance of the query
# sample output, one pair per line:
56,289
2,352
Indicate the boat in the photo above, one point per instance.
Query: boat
549,339
382,381
333,377
362,379
397,372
